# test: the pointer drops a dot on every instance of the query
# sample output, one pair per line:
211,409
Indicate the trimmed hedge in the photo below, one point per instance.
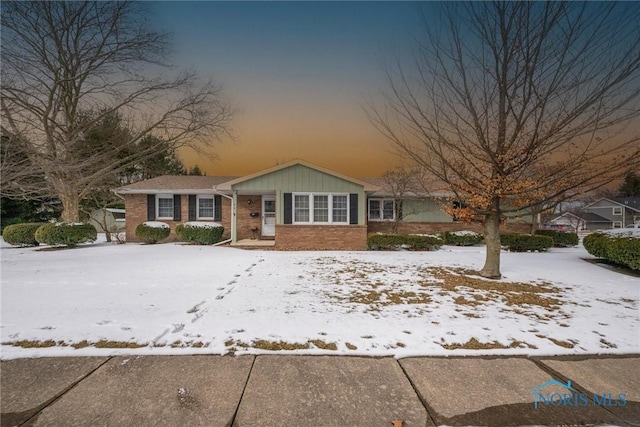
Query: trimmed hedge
462,239
561,239
515,242
152,234
198,234
21,234
66,234
386,242
623,250
596,244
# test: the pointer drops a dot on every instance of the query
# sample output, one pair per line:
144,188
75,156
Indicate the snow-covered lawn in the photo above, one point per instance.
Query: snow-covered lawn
179,299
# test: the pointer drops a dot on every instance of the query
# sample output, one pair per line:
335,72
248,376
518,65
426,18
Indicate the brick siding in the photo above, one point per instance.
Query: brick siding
136,205
321,237
245,223
439,227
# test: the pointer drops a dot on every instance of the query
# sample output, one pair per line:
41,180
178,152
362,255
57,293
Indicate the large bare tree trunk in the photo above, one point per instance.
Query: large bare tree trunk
70,207
491,225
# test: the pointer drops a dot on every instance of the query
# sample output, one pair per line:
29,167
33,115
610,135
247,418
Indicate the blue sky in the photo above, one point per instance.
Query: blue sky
299,73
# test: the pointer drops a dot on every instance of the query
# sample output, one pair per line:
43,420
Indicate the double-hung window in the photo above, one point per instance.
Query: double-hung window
312,208
301,208
205,207
340,212
617,210
321,208
165,206
381,210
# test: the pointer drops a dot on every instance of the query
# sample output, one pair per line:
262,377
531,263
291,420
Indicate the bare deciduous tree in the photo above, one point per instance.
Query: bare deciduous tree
60,59
402,183
514,104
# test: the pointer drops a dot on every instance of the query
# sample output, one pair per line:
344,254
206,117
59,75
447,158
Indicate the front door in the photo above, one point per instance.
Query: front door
268,216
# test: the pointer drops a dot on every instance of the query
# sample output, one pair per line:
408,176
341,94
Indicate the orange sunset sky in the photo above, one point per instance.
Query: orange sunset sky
299,74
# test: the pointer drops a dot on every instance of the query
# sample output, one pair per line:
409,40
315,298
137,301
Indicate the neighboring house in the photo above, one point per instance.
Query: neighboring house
111,218
570,220
612,213
295,205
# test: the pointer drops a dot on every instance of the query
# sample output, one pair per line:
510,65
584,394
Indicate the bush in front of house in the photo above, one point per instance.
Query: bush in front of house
462,238
21,234
202,233
561,239
596,244
516,242
152,232
66,234
412,242
623,249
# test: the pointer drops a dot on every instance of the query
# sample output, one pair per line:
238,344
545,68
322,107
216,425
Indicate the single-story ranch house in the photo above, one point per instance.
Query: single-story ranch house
295,205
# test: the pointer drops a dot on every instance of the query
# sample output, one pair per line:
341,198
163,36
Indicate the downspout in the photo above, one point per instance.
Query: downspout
233,219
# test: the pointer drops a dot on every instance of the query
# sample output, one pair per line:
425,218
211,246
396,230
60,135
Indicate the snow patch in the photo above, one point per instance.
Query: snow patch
156,224
623,232
464,233
202,224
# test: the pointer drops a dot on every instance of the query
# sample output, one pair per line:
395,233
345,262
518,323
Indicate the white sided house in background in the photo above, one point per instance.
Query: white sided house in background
111,218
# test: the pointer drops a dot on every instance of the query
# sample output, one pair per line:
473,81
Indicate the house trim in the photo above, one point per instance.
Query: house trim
227,186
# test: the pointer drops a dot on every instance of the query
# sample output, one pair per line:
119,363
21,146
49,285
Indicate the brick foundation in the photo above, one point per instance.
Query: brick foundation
321,237
136,205
440,227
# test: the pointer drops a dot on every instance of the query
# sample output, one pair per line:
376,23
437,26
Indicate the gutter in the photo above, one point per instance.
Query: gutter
233,218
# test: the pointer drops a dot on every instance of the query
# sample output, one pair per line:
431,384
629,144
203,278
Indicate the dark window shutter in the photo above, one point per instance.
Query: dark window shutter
217,208
288,208
192,207
177,214
151,207
353,208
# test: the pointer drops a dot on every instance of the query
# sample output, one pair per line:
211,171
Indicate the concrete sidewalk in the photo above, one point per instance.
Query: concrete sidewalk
274,390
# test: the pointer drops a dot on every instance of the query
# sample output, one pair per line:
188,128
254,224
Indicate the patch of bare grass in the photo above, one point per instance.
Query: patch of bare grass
279,345
34,343
118,344
386,297
560,343
80,344
607,344
324,345
474,344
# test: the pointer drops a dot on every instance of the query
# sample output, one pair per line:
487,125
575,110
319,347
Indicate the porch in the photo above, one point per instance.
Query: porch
254,243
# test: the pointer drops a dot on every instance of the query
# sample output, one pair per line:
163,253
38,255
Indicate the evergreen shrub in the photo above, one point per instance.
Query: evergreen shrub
152,232
66,234
412,242
596,244
200,233
462,238
623,249
561,239
516,242
21,234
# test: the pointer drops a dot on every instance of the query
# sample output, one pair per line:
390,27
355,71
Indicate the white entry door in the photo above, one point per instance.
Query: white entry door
268,216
